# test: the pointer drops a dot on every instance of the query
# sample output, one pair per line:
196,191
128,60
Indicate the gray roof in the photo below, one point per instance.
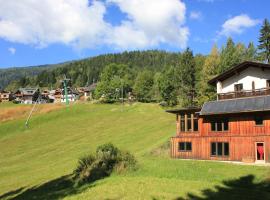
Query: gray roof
252,104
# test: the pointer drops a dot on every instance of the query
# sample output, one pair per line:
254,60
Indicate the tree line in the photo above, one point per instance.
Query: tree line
154,76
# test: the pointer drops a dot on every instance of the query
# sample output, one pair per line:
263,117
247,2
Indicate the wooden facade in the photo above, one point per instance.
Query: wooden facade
242,136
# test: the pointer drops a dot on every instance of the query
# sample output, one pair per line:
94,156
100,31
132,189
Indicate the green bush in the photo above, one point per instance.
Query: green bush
107,158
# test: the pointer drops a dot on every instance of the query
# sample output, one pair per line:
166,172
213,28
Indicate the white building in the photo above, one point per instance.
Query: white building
245,79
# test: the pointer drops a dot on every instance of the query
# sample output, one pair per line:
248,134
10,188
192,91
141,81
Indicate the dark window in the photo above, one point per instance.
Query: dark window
213,126
226,125
181,146
259,120
220,125
195,124
238,87
253,85
185,146
213,149
189,123
226,149
219,149
268,83
188,146
182,123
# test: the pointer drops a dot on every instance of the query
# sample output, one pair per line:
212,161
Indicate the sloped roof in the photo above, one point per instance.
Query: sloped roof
184,110
252,104
236,69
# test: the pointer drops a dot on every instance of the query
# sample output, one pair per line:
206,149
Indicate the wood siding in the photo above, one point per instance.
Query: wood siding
242,136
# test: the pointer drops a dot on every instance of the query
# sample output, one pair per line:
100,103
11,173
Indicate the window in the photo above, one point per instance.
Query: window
184,146
267,83
258,120
253,85
188,123
238,87
219,149
220,125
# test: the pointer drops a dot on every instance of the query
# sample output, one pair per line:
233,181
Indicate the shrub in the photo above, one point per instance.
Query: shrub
107,158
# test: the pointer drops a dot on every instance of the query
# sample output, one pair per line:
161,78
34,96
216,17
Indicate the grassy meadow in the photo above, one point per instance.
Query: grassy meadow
36,162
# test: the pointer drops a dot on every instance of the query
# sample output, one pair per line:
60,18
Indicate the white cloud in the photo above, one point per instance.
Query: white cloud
76,23
150,23
195,15
12,50
237,25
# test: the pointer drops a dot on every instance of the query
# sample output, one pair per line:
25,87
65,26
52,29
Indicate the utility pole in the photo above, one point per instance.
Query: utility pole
122,95
65,81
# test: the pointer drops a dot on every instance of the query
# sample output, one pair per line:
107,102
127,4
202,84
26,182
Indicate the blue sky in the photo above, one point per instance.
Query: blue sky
53,31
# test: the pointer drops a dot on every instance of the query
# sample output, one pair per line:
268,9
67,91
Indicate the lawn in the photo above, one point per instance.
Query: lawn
35,162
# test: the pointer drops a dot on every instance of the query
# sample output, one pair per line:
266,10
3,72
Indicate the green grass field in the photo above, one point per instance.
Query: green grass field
35,162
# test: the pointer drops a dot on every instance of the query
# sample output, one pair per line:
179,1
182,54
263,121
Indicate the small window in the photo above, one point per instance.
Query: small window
219,149
238,87
220,125
181,146
213,149
267,83
259,120
253,85
188,146
195,124
185,146
226,149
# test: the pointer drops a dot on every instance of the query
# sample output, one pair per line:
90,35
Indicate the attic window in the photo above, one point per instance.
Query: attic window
238,87
258,120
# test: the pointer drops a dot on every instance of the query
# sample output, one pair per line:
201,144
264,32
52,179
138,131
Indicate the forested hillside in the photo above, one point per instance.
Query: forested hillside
175,78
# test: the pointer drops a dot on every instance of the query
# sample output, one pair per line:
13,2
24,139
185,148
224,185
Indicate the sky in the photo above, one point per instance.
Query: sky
54,31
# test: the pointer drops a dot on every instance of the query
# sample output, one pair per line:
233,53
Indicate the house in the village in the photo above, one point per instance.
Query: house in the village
27,95
87,92
72,95
5,96
235,127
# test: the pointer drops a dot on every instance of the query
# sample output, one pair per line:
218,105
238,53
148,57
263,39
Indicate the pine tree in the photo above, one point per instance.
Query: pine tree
251,52
209,71
186,72
264,42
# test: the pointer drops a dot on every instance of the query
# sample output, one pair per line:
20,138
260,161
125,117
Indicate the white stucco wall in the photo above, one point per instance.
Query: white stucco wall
245,77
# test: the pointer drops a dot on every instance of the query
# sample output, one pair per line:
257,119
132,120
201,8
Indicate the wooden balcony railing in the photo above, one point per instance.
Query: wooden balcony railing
244,93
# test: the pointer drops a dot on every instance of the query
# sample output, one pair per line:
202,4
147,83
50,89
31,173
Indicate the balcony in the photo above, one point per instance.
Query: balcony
243,93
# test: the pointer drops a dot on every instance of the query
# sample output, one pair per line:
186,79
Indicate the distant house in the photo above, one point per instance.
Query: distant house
235,127
72,95
27,95
87,92
5,96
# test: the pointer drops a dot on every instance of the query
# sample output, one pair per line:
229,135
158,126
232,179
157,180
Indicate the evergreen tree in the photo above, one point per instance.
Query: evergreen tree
264,42
251,52
209,71
231,55
186,72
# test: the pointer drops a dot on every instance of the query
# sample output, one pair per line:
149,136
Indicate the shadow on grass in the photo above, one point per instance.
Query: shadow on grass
51,190
243,188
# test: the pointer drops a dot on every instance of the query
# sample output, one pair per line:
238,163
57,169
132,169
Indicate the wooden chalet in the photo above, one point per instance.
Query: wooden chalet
26,95
235,127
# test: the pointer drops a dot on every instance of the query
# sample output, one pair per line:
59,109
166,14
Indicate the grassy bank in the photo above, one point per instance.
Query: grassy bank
36,161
